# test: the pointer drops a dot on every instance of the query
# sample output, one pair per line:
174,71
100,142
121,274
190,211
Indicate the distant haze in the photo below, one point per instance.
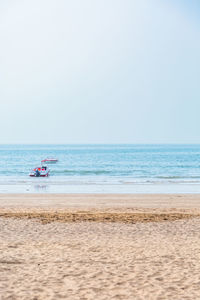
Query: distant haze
106,71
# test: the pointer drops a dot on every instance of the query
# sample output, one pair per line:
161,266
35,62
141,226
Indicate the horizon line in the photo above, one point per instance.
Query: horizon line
128,143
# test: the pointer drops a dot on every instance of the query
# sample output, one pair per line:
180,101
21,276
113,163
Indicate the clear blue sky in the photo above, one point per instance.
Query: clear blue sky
109,71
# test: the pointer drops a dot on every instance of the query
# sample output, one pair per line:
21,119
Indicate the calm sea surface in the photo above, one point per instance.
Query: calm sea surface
102,168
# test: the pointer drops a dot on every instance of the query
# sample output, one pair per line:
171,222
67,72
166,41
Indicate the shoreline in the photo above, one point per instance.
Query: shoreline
108,208
67,186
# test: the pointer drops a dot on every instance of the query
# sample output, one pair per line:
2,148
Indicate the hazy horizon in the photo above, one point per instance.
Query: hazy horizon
100,144
100,72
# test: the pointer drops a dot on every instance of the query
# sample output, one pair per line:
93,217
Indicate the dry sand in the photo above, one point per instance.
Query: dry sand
99,247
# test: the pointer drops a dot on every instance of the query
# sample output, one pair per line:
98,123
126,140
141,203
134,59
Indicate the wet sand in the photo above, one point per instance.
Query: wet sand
99,246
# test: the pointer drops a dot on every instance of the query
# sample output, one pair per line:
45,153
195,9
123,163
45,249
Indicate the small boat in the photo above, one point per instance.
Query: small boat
49,160
40,172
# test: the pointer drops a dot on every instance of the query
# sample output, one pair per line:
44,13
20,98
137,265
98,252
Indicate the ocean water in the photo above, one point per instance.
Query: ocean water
102,169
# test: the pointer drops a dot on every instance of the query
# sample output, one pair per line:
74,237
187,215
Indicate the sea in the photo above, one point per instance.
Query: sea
102,168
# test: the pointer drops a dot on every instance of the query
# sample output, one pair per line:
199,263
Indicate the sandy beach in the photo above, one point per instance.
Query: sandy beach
58,246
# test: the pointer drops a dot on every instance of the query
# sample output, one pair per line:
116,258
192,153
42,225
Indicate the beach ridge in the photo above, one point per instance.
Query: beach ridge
98,216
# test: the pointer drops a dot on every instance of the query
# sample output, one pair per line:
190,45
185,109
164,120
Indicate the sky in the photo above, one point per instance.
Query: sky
109,71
